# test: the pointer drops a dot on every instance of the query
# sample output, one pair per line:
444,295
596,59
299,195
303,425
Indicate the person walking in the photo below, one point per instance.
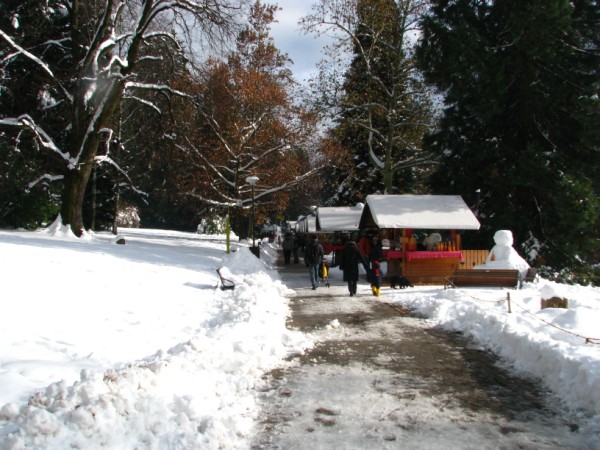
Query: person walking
350,258
313,255
375,257
376,277
296,249
365,245
287,245
376,252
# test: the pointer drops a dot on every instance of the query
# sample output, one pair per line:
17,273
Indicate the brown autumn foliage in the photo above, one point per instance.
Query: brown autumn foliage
245,123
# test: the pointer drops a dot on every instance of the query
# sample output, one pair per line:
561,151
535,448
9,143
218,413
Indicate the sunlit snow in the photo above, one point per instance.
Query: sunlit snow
134,346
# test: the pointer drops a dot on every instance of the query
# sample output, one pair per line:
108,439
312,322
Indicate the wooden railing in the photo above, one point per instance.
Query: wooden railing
434,270
472,258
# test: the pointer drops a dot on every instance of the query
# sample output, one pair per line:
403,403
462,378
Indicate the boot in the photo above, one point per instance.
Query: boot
374,290
377,291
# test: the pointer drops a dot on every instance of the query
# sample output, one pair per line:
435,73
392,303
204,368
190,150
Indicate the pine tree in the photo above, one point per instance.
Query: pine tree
383,111
28,191
517,140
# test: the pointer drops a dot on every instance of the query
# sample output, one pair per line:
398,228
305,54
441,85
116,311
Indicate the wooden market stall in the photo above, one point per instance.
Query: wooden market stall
335,221
397,219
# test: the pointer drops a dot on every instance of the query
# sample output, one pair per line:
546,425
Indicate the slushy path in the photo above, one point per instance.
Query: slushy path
381,378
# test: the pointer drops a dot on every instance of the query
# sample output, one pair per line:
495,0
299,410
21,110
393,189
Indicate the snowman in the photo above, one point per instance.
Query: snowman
504,256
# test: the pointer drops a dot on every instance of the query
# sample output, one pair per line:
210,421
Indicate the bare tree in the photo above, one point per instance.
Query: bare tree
248,123
107,40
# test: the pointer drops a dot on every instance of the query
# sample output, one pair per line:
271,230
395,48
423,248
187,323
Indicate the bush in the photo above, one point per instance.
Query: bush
583,274
128,217
212,225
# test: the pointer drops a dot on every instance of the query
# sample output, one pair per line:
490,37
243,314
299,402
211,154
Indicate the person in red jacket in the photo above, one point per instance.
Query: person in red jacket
365,245
375,277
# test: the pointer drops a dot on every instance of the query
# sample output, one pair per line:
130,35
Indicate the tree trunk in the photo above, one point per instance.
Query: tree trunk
115,226
76,182
77,178
388,177
87,122
93,194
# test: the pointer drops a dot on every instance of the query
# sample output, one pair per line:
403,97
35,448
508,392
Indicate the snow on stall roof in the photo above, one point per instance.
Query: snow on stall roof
312,224
307,224
448,212
338,218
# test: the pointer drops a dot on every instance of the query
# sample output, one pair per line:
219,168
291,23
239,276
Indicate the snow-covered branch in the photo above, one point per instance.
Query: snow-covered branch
27,54
212,167
163,34
26,121
47,177
155,87
298,180
41,64
143,102
106,159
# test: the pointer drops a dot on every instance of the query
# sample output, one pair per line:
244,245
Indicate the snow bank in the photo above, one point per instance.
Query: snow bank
549,344
133,346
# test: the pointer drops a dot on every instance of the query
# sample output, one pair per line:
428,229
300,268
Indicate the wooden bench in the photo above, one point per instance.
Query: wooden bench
429,271
484,278
225,283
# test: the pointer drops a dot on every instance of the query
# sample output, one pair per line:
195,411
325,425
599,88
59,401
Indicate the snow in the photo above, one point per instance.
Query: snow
115,346
339,218
504,256
307,224
436,212
559,346
132,346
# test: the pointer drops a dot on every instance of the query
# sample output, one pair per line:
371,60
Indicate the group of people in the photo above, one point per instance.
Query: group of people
312,251
349,262
369,254
290,246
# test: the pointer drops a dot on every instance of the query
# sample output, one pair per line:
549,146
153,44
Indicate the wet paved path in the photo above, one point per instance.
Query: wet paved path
382,378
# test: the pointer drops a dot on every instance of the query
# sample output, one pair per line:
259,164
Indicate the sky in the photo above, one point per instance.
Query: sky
303,49
133,346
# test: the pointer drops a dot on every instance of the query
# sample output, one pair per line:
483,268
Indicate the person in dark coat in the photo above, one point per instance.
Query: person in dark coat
313,255
376,250
287,245
296,249
350,258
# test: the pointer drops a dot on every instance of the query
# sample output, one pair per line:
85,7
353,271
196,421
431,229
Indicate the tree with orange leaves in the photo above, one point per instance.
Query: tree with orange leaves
248,123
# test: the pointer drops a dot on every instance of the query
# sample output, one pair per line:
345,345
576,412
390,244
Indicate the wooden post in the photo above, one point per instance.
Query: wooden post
508,301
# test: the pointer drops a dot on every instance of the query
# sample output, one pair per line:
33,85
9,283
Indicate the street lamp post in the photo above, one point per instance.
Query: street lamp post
252,181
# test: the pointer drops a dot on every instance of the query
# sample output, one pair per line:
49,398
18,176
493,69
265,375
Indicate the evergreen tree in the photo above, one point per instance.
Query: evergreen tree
384,110
517,137
28,188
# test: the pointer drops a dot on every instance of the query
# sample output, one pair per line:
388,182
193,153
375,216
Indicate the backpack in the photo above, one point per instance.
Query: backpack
376,268
311,253
323,271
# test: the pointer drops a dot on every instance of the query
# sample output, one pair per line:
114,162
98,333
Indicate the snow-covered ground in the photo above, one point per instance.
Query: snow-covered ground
132,346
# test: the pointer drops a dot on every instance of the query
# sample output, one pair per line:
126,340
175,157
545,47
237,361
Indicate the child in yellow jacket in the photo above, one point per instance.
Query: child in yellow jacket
376,278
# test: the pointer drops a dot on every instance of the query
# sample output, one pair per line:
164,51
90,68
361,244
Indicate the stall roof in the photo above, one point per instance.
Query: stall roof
306,224
443,212
312,224
338,218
